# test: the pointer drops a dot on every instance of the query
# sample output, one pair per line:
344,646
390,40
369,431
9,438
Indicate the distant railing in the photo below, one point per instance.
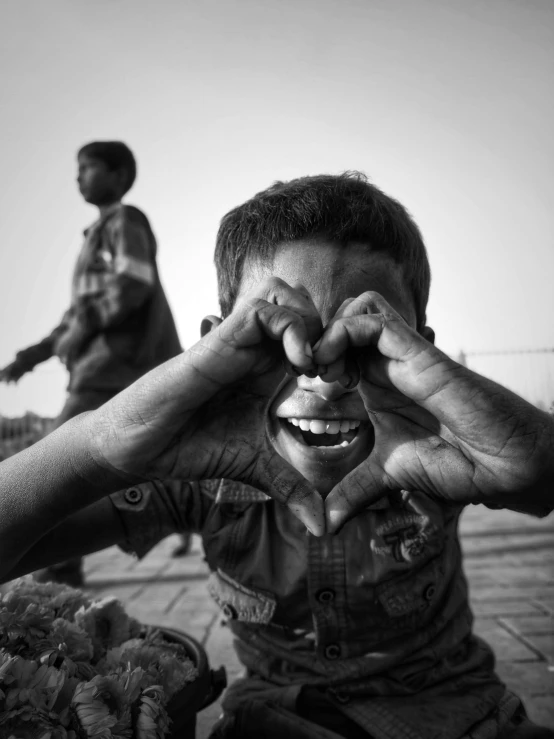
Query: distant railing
30,423
19,433
527,372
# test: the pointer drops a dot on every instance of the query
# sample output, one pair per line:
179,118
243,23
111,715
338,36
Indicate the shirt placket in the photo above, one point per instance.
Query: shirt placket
327,595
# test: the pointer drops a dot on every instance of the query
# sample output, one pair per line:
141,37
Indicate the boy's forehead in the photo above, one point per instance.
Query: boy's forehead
332,272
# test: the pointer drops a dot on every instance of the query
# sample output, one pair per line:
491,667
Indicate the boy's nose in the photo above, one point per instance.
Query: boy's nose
326,390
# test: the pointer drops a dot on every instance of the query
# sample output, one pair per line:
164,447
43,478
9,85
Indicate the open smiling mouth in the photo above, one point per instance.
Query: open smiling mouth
322,434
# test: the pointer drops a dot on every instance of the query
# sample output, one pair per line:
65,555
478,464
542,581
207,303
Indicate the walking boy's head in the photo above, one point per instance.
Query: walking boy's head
339,236
106,171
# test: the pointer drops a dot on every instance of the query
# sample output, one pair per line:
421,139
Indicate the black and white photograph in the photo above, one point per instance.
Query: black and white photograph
277,369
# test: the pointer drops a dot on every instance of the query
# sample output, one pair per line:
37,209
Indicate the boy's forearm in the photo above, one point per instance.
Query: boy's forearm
42,485
31,356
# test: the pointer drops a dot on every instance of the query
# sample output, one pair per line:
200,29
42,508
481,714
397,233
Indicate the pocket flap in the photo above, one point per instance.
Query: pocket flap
417,592
239,602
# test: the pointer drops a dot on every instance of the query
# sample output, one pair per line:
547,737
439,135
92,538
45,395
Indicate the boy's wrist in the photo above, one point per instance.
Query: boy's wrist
536,492
86,463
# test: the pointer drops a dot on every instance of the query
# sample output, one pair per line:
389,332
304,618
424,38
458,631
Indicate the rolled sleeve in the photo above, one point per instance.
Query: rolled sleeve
154,510
133,252
124,275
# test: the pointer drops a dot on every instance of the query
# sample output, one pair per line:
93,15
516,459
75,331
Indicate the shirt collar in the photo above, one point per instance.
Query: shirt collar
110,210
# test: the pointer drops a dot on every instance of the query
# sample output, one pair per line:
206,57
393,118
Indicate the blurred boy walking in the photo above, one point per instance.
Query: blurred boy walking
119,324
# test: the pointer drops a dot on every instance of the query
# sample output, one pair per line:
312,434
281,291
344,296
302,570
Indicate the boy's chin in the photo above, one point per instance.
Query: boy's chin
324,477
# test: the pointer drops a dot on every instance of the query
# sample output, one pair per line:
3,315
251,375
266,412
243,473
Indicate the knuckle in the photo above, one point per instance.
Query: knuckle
372,299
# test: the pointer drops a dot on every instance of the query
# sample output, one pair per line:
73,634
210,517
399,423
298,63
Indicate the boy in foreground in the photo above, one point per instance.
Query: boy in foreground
119,324
373,440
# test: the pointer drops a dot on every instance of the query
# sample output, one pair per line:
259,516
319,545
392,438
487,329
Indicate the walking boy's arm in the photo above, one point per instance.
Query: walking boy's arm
27,359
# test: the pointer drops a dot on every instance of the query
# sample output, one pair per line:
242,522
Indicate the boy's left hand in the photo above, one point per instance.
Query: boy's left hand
439,427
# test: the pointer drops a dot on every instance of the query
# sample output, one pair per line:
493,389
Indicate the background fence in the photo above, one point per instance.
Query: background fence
528,372
18,433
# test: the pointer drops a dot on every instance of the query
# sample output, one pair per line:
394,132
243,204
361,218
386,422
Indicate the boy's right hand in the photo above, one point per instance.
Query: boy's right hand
203,414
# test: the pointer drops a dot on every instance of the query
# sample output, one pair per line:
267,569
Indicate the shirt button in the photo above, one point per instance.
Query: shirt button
133,495
429,592
325,595
230,612
332,651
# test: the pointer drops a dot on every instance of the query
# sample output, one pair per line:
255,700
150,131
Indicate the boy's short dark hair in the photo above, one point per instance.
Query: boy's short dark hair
341,208
115,155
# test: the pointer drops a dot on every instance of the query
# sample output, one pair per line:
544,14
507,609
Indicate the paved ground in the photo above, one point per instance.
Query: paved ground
509,562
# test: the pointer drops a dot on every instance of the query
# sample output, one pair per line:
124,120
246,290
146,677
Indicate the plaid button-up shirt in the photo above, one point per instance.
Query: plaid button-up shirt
378,614
119,320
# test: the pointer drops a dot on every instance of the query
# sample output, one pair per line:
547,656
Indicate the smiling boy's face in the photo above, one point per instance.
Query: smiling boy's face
321,428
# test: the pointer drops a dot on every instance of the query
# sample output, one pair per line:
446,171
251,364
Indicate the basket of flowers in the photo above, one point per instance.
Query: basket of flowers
76,668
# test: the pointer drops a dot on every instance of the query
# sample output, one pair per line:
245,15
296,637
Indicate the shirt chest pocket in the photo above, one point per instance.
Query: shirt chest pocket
238,602
409,600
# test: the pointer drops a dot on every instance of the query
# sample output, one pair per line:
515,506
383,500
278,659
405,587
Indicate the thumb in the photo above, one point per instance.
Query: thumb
276,477
361,488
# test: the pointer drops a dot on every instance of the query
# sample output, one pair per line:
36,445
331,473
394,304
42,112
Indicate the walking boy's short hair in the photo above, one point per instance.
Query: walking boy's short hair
115,155
343,208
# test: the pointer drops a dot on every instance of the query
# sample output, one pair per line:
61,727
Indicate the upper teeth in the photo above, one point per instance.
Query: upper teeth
319,426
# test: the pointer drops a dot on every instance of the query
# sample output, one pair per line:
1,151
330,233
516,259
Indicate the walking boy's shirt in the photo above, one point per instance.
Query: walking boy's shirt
376,613
119,323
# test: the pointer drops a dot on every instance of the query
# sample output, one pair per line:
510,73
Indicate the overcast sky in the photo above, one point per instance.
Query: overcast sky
446,104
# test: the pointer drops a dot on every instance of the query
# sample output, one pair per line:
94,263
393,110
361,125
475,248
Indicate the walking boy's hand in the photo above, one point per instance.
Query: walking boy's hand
439,427
204,414
13,372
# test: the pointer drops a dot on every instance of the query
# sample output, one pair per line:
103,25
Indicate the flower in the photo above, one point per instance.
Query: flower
63,599
65,640
23,621
107,624
159,659
31,723
73,668
153,721
25,681
98,704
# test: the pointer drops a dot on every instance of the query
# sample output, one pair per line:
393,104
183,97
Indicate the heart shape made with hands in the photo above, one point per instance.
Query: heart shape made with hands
439,428
366,343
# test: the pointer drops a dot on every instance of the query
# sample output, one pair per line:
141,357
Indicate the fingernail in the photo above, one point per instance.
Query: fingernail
335,521
308,350
316,345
